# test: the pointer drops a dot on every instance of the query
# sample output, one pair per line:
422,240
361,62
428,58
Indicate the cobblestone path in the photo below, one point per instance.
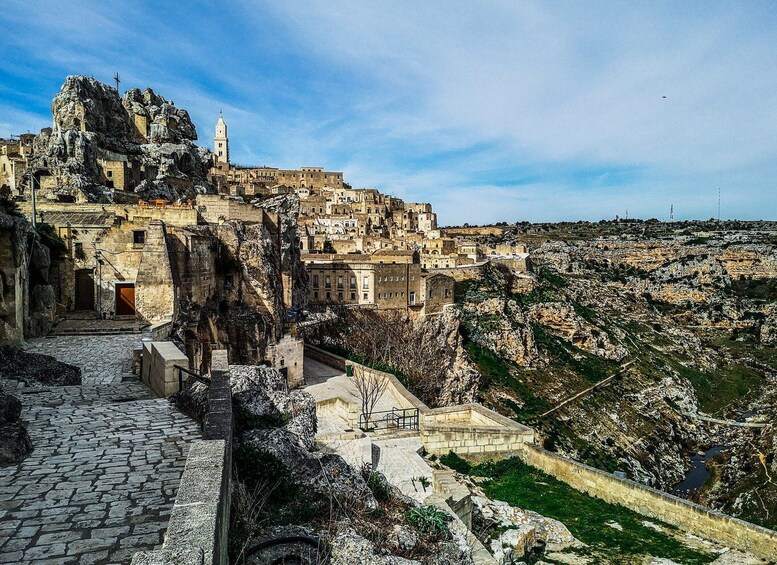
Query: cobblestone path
104,359
108,458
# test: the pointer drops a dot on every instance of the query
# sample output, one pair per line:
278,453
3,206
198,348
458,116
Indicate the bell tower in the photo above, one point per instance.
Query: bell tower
221,142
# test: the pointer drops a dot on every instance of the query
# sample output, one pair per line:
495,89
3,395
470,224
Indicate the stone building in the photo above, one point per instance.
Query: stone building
385,279
14,156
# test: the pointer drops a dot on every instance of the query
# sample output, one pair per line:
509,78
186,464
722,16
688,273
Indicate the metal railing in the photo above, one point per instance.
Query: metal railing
197,376
394,419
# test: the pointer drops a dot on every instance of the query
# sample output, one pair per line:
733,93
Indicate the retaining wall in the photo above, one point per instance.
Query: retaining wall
650,502
318,354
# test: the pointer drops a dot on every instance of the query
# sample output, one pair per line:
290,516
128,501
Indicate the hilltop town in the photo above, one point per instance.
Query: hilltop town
207,362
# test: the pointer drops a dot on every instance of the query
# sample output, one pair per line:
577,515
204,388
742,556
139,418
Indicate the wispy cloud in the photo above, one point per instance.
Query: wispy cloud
492,111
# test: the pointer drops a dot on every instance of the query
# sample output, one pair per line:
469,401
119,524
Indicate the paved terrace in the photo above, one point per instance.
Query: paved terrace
399,459
108,458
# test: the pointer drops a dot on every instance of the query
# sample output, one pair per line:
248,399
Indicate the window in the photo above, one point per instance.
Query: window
229,281
340,296
109,174
79,251
339,282
447,292
315,295
431,293
315,281
328,295
139,237
327,282
220,145
365,296
353,296
353,282
412,298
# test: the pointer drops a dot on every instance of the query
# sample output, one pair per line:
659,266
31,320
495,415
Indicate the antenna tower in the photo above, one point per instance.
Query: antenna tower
671,212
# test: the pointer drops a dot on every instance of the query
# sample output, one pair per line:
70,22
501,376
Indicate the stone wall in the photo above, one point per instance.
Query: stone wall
215,209
473,431
322,356
155,291
459,274
656,504
158,367
289,354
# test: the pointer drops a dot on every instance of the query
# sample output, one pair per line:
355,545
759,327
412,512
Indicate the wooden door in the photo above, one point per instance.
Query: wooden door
125,299
84,289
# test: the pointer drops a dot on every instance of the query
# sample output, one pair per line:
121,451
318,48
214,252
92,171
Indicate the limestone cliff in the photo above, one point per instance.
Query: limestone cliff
27,299
103,148
237,282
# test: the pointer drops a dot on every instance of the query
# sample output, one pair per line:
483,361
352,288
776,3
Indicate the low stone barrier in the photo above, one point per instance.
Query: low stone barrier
656,504
197,533
158,366
323,356
472,430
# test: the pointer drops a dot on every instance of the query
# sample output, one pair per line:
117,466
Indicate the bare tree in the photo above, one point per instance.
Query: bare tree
370,387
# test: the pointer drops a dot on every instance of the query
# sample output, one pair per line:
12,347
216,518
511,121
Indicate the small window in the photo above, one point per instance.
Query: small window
139,237
229,281
365,296
315,295
328,295
340,296
109,174
79,250
353,282
353,296
315,281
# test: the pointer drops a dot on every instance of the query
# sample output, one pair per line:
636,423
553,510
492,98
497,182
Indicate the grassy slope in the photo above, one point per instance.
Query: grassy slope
586,517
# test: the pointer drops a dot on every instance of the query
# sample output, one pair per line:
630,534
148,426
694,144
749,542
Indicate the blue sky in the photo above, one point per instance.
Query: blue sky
492,111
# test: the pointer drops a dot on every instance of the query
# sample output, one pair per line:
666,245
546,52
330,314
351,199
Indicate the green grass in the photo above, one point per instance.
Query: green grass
586,517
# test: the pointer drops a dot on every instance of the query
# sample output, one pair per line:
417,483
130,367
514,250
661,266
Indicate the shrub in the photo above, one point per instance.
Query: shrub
429,520
376,482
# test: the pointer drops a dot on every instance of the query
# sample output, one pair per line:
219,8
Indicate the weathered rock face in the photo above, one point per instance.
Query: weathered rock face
24,264
238,281
561,319
460,379
499,324
35,369
144,136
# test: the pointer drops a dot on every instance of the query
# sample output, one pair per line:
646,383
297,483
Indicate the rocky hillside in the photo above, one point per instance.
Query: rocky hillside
682,315
143,134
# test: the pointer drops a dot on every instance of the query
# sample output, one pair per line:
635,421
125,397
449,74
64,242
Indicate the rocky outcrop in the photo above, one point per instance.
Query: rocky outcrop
248,277
35,369
500,324
27,299
15,442
143,136
562,320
